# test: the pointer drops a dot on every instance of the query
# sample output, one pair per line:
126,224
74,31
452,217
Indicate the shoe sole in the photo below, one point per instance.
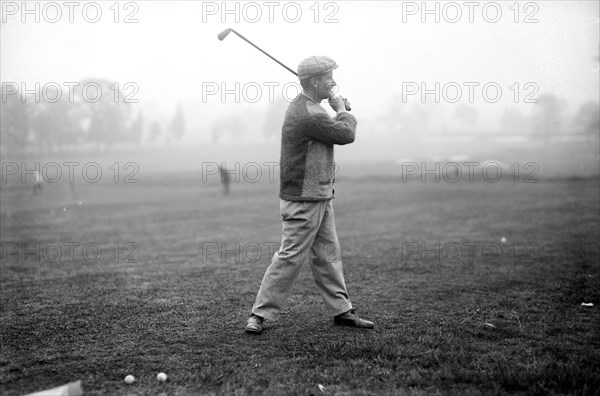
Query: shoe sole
352,325
253,331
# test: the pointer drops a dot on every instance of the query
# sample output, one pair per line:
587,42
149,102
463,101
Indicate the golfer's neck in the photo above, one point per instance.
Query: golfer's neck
312,94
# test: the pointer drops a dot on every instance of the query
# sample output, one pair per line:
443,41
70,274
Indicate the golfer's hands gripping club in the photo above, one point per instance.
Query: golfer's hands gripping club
339,103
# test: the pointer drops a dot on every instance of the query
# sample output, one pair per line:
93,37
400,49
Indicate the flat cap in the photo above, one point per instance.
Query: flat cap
315,65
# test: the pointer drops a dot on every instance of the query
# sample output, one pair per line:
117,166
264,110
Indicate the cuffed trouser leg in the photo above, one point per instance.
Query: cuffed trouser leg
326,265
302,226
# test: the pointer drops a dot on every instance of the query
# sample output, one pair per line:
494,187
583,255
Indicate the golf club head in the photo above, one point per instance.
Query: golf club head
224,34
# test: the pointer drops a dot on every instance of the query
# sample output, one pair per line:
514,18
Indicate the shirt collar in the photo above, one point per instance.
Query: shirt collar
311,99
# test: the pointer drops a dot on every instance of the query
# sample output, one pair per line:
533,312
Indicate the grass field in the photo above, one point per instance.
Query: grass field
171,290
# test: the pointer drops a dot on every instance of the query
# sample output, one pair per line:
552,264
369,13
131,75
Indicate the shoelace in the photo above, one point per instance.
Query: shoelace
352,312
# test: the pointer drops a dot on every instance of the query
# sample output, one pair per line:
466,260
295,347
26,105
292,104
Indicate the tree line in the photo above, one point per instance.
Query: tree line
36,124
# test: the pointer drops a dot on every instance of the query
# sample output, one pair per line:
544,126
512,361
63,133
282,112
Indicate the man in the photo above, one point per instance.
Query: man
306,192
225,180
38,184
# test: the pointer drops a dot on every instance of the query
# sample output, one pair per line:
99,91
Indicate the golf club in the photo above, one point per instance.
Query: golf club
225,32
221,36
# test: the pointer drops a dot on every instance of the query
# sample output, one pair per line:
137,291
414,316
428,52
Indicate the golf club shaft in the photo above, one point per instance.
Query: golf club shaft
264,52
224,34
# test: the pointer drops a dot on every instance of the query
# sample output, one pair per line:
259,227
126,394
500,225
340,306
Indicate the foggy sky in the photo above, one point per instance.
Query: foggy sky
172,51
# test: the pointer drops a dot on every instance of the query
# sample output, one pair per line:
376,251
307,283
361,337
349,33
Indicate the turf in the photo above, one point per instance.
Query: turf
490,318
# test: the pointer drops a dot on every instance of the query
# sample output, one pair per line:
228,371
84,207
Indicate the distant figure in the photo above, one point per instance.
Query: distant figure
72,188
224,179
37,184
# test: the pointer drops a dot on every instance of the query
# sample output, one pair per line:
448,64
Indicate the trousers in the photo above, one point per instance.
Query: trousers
308,233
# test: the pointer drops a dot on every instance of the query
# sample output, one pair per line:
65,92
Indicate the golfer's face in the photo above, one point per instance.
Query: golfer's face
326,84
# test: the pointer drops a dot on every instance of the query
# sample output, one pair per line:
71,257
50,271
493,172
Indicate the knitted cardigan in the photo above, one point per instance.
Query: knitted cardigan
307,169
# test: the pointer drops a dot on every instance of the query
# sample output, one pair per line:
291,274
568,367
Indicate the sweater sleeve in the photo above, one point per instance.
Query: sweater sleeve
341,130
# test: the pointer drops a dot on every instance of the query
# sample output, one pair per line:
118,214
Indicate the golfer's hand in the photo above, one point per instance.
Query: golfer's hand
339,103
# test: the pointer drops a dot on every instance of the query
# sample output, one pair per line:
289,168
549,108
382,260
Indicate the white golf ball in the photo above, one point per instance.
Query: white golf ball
129,379
162,377
503,240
